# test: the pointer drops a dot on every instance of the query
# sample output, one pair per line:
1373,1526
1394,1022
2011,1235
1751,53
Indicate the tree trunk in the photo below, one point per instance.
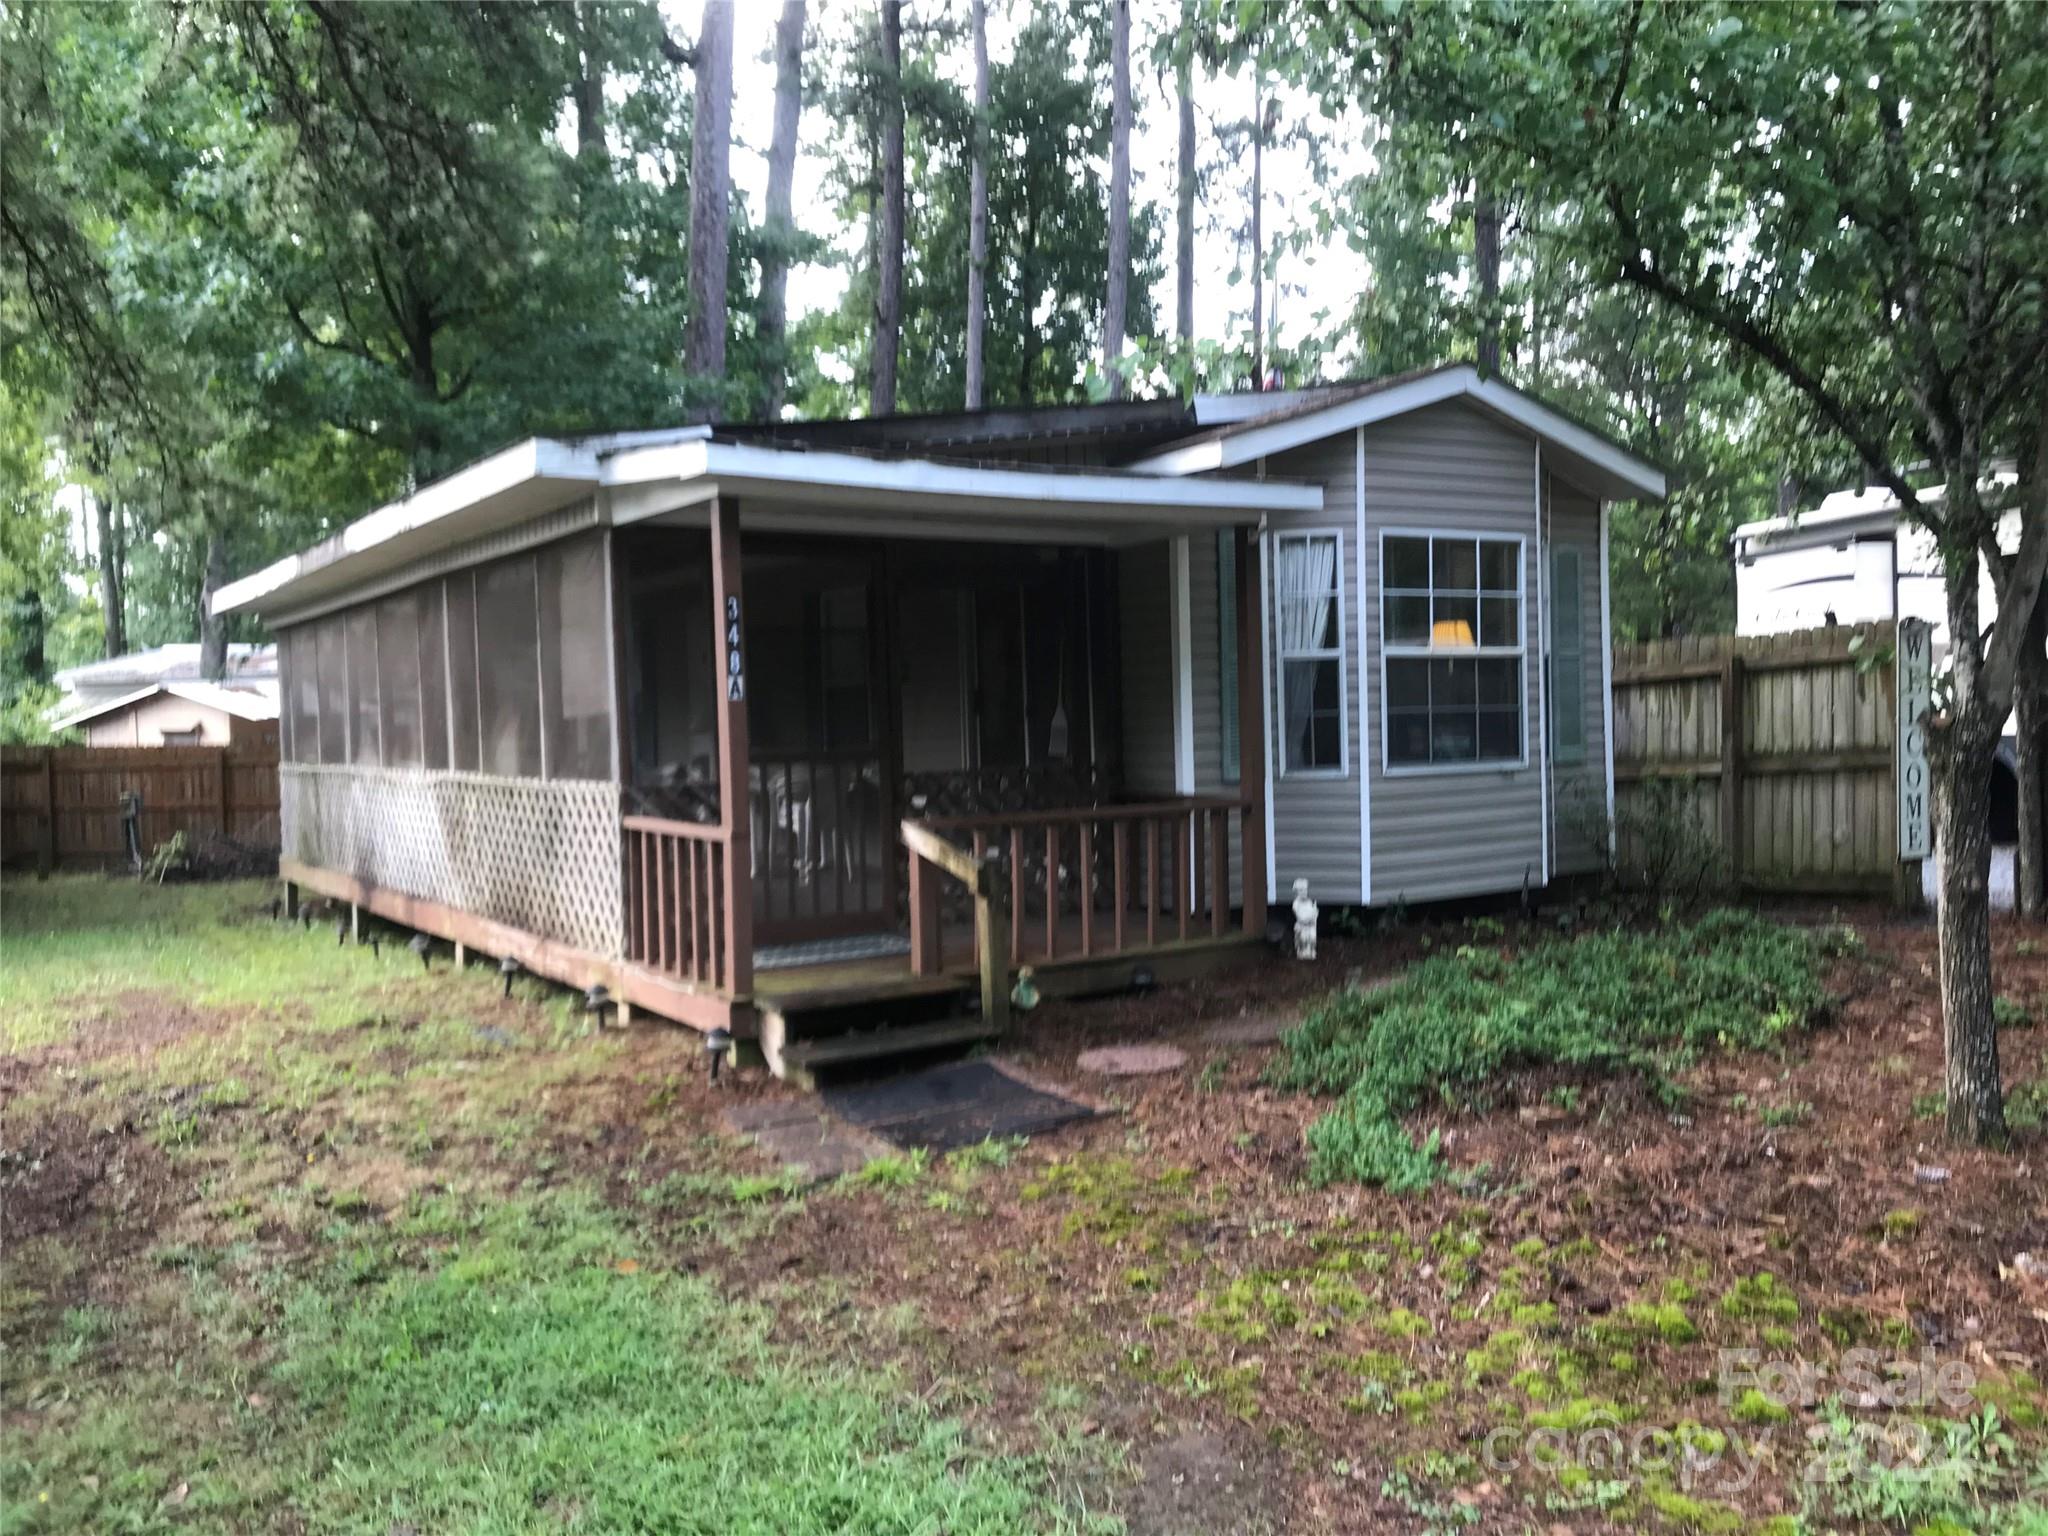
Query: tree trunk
888,337
589,90
1258,240
113,604
710,207
779,234
1114,310
1184,225
1486,256
977,215
213,631
2030,719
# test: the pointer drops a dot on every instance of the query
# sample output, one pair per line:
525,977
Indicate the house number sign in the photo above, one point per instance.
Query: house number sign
735,668
1915,689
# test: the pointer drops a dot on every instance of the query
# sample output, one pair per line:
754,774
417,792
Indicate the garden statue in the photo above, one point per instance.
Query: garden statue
1304,922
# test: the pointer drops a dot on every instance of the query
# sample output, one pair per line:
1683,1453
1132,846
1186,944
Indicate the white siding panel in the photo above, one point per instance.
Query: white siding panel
1464,833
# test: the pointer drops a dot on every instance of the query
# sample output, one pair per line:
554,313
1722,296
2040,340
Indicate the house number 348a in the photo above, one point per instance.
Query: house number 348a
735,668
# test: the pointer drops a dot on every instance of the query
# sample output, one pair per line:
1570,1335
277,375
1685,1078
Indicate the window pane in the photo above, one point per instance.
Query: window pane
1456,564
333,658
1499,620
1407,684
1500,734
1407,736
1456,625
1452,737
508,672
398,680
575,631
433,677
1407,563
459,594
1452,683
1498,566
1303,684
1407,621
1500,682
1328,752
362,685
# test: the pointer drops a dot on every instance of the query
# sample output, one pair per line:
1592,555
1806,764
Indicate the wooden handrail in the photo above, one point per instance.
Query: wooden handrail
697,831
1071,815
991,928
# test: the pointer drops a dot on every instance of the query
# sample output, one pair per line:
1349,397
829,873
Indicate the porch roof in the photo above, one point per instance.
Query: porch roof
674,472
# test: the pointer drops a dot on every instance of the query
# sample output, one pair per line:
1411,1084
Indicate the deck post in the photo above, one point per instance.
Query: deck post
733,759
1251,731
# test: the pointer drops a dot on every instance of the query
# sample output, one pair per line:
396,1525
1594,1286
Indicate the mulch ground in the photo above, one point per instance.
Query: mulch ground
1108,1252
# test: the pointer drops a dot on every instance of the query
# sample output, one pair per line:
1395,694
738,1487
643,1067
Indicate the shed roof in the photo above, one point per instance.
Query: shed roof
244,702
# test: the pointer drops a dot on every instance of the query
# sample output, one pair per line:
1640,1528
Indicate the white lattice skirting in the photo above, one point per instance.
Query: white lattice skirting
538,855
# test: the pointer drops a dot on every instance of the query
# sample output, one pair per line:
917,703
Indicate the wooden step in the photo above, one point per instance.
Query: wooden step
797,1060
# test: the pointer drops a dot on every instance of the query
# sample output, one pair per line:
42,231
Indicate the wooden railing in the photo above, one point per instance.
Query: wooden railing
678,899
1090,881
822,854
930,857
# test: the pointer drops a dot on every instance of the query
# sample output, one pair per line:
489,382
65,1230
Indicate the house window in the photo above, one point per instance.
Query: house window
1567,655
1309,597
191,738
1452,642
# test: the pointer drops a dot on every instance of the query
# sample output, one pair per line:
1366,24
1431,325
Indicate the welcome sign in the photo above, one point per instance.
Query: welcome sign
1914,679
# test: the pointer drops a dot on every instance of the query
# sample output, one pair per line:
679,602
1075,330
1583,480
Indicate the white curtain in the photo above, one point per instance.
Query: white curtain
1308,580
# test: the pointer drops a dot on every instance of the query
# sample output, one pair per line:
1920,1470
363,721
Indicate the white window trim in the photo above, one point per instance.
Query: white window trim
1519,652
1281,656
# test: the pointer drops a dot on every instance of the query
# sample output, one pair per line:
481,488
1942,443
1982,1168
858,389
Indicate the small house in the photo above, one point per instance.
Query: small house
179,713
756,724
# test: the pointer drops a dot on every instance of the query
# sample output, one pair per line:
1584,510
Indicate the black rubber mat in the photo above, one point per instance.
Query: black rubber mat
949,1106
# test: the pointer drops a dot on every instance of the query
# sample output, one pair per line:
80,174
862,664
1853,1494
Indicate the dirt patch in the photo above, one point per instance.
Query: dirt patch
133,1023
1198,1483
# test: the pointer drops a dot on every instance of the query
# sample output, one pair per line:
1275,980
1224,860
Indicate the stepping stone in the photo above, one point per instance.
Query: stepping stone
1253,1031
1133,1060
803,1138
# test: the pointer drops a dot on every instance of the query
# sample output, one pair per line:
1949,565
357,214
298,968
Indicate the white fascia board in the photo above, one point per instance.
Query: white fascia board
534,459
1432,389
807,472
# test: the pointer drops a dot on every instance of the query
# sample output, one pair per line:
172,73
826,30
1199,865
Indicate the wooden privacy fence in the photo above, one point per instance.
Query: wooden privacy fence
1776,749
61,806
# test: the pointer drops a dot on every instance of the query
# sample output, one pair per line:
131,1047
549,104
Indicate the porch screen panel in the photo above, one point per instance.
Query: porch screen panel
433,676
331,671
575,646
364,737
398,680
301,654
459,602
508,669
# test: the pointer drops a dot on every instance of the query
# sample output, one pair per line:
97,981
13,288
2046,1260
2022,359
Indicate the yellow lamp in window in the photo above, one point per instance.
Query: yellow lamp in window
1451,634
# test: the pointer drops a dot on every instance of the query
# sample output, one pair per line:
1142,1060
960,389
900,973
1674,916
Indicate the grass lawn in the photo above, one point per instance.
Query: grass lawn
298,1238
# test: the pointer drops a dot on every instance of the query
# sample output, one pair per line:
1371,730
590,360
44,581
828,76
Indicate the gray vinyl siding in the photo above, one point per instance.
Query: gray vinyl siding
1579,790
1206,619
1145,655
1437,835
1316,833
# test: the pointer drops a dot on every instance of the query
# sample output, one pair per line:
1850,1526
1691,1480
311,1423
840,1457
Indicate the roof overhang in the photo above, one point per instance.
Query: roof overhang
1579,453
638,476
248,706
